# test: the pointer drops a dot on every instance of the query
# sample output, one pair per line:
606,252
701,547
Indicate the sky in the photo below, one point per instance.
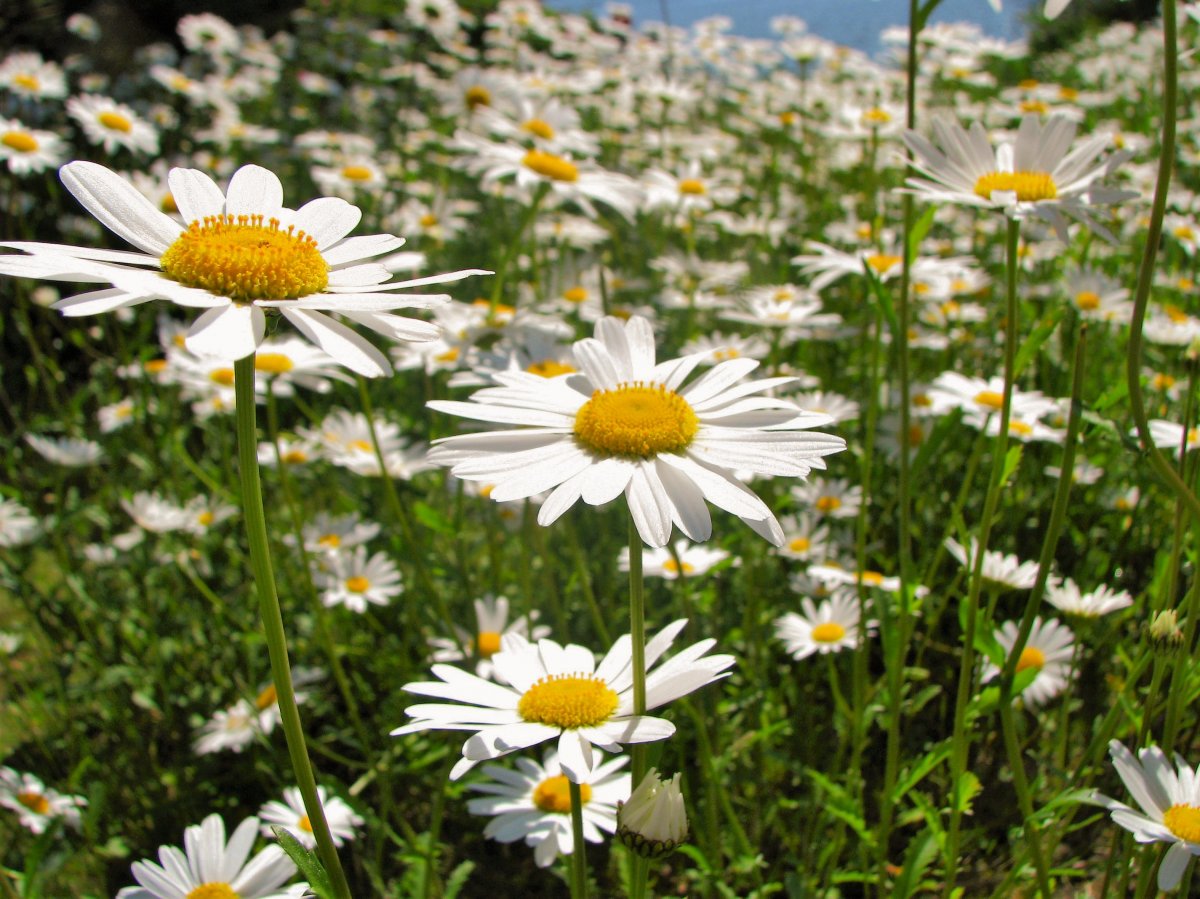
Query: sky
855,23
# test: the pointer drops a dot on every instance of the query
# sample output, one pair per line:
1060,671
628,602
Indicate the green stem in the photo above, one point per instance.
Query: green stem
272,618
579,883
637,638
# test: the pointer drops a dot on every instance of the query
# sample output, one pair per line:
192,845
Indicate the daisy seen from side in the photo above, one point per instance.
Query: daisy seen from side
290,815
491,624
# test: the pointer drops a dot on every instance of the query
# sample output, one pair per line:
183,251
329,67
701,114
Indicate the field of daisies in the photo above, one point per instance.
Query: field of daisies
534,455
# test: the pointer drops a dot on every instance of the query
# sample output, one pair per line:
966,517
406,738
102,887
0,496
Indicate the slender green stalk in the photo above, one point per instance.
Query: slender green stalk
272,618
637,637
966,672
579,881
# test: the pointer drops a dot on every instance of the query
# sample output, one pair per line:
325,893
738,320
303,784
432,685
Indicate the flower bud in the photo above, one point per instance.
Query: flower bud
1164,633
653,822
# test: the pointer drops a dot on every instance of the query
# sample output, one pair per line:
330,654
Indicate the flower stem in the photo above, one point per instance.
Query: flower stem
272,618
579,883
637,638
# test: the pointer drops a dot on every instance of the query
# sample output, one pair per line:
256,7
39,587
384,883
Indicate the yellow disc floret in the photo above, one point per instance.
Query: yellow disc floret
568,701
828,632
539,128
357,173
554,794
1031,657
273,363
487,643
358,584
990,399
267,698
1087,300
21,141
246,258
882,263
692,186
34,801
305,824
636,420
114,121
1184,822
550,368
1028,186
213,891
477,95
550,166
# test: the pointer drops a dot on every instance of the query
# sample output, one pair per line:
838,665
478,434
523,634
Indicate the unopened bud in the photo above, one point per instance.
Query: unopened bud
1164,632
653,822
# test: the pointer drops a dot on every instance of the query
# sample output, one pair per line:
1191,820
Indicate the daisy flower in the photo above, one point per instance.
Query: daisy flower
291,816
1169,797
804,538
329,533
980,398
1171,436
66,450
830,627
660,561
17,526
551,692
1039,174
233,729
29,75
625,425
830,497
1048,650
27,150
533,803
1099,297
244,254
491,624
998,568
37,806
211,867
113,125
151,512
1068,598
355,581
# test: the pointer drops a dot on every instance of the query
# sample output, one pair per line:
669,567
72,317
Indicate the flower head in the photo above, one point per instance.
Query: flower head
291,815
36,805
654,821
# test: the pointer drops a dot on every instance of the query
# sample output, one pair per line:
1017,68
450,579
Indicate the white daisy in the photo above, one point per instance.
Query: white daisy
291,815
491,624
66,450
243,254
625,425
1004,570
1048,650
661,562
17,526
805,538
36,805
354,581
1068,598
830,627
27,150
233,728
151,512
552,692
532,803
113,125
209,866
1169,797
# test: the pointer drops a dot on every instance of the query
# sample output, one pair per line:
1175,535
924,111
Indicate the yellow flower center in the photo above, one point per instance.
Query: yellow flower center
1087,300
35,802
167,204
883,262
872,578
330,541
21,141
554,794
1020,428
29,82
1031,657
358,584
477,96
787,118
450,355
361,445
357,173
539,128
222,376
1163,382
305,824
1184,822
428,220
1175,314
828,504
213,891
575,294
828,632
799,544
204,519
671,566
636,420
549,368
568,701
1035,106
876,116
1029,187
1183,232
916,435
273,363
990,398
487,644
114,121
550,166
267,698
692,186
155,366
1028,84
295,457
244,258
1068,93
180,82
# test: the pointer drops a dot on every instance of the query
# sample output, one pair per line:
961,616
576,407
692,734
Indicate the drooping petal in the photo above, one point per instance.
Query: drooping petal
230,332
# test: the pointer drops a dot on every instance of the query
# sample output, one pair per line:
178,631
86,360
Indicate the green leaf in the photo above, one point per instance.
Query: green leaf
920,852
432,518
919,230
1012,461
310,866
457,879
917,773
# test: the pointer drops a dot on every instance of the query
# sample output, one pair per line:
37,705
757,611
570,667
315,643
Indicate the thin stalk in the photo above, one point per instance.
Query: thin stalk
966,671
272,618
637,638
579,883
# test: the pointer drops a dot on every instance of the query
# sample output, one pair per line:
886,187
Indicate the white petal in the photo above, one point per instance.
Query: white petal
254,190
327,220
365,246
119,206
575,756
230,332
195,194
1170,872
650,507
350,349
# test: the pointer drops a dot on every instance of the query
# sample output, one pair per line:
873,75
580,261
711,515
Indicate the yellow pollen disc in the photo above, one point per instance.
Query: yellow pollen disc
330,541
799,544
787,118
114,121
1027,84
669,565
486,490
1028,186
222,376
487,644
828,504
358,584
155,366
357,173
883,262
213,891
295,457
167,203
204,519
783,295
361,445
1087,300
550,166
245,258
180,82
1031,657
1163,382
554,795
1175,314
990,398
876,116
568,701
549,368
1183,232
428,220
449,355
477,96
29,82
726,353
1068,93
1020,428
305,824
575,294
1193,435
1184,822
21,141
35,802
692,186
874,578
267,698
950,308
828,632
273,363
636,420
916,436
1038,106
539,128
